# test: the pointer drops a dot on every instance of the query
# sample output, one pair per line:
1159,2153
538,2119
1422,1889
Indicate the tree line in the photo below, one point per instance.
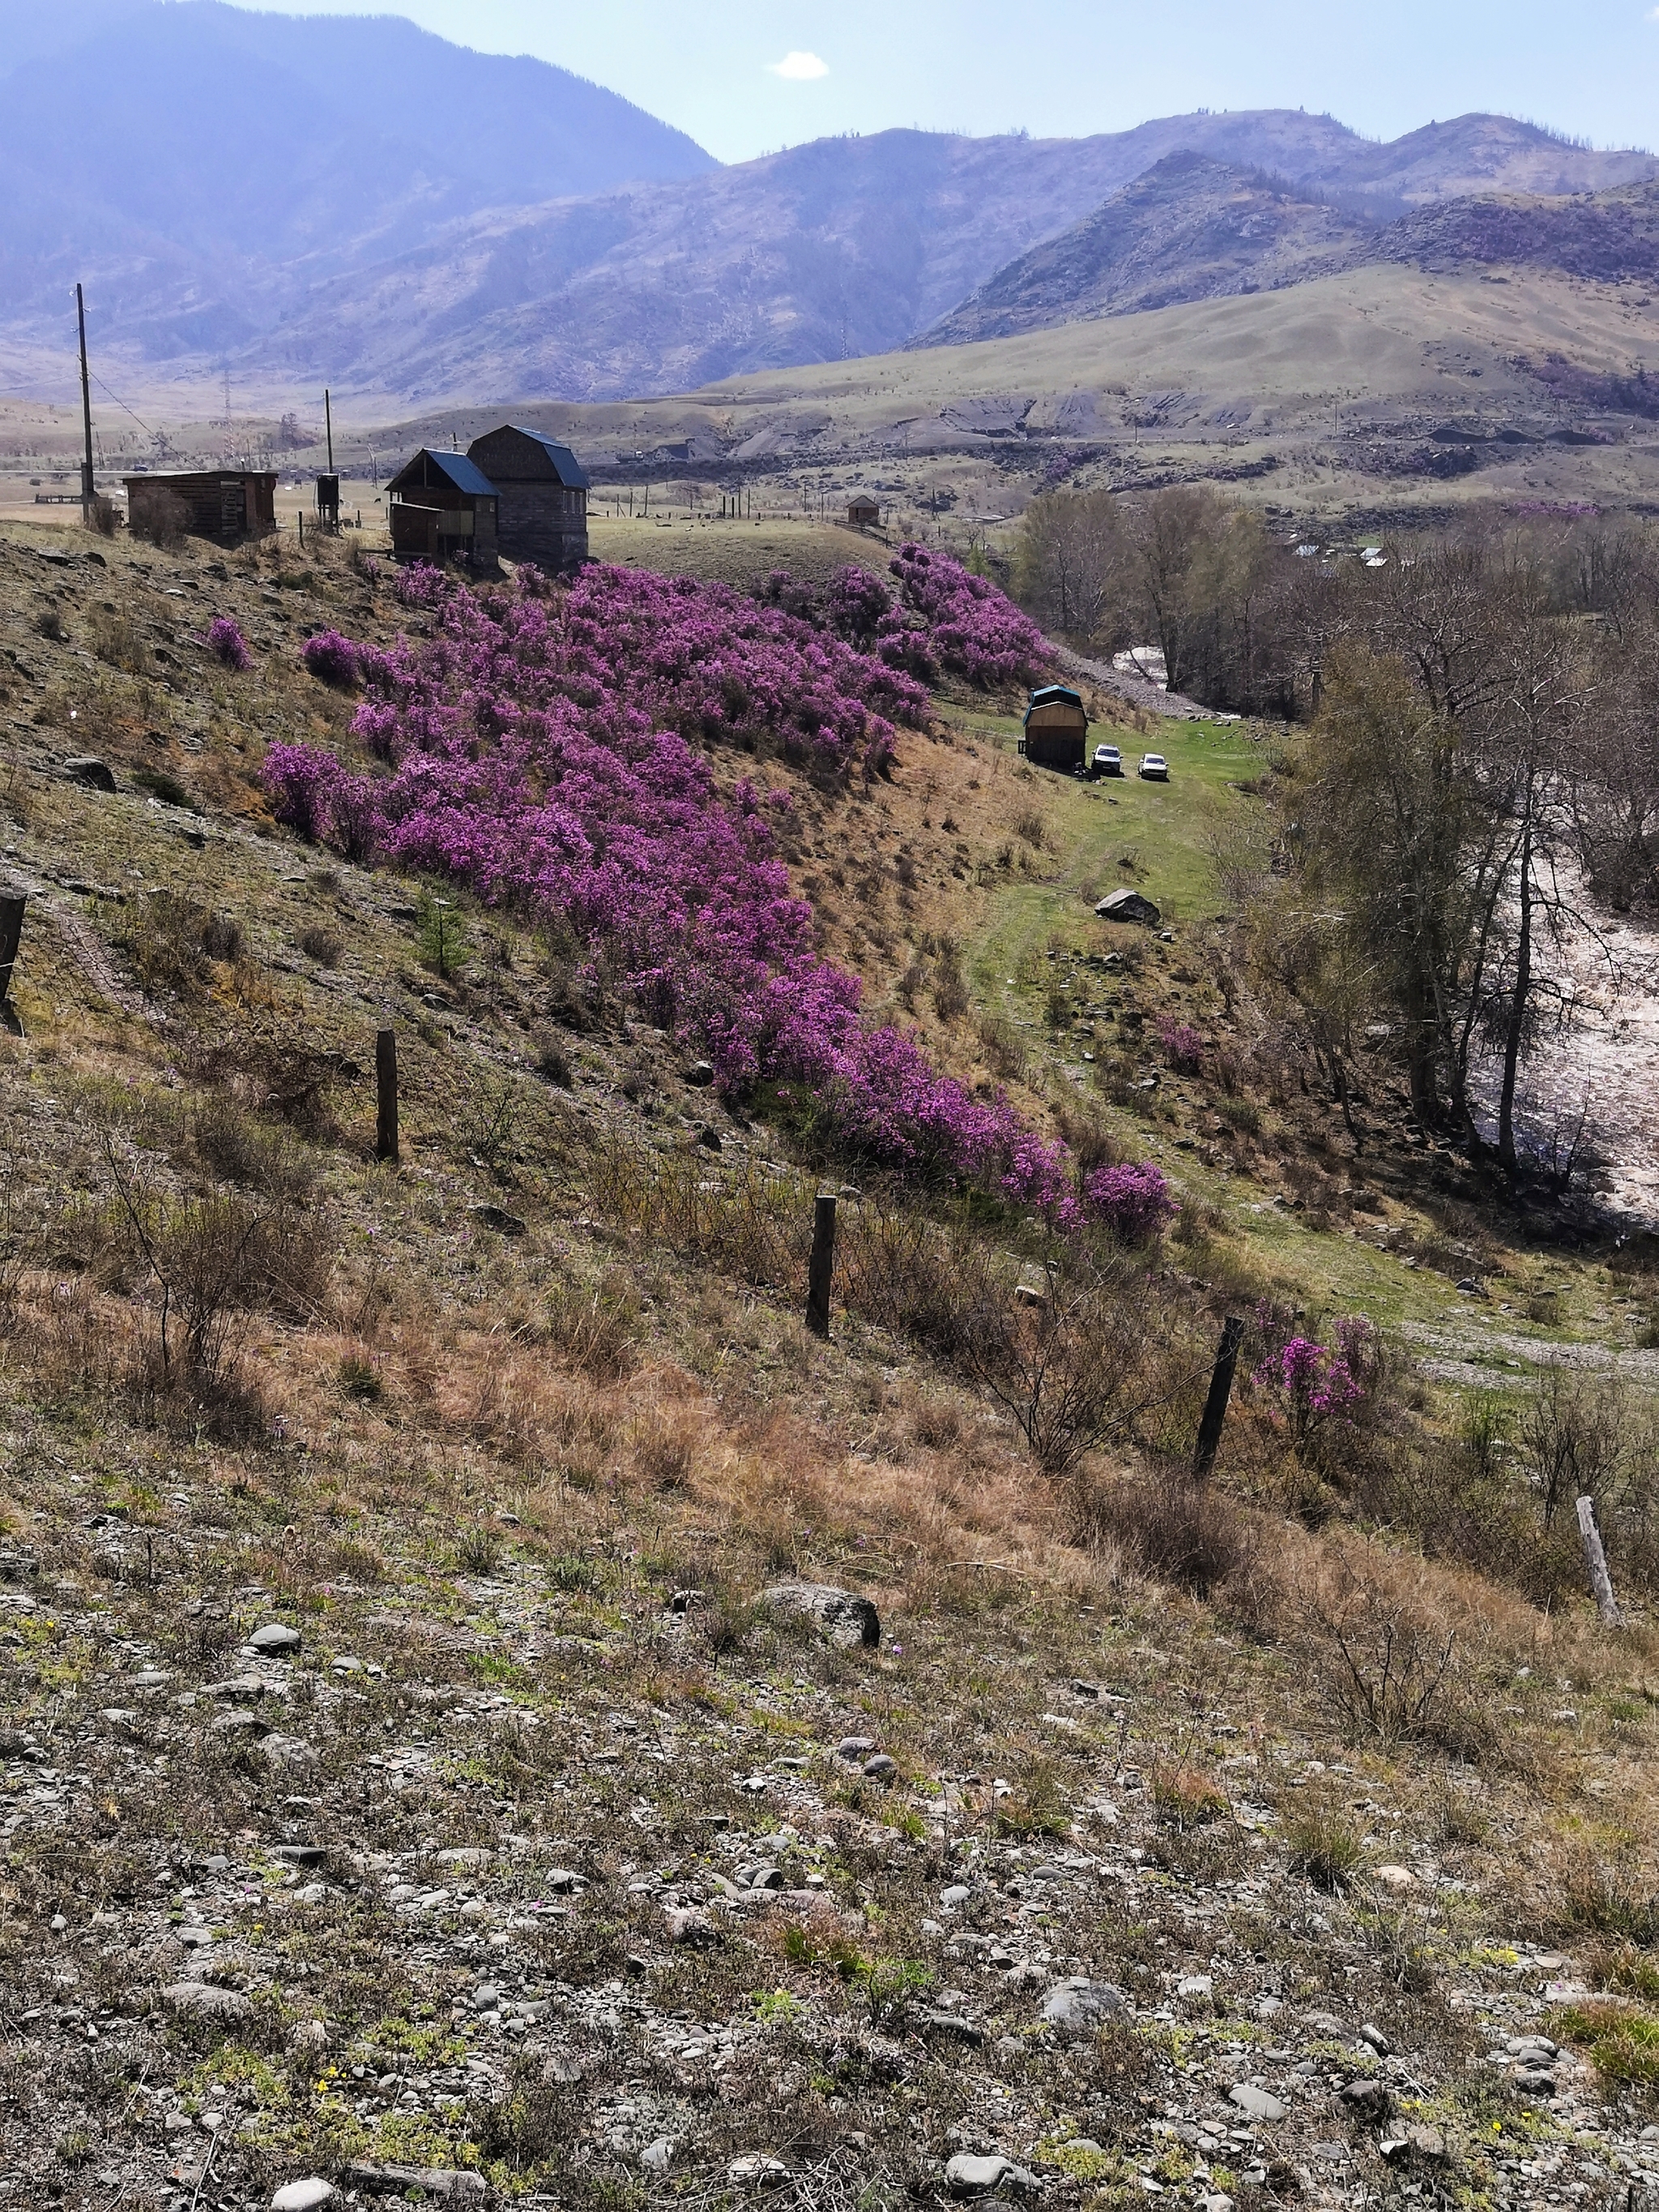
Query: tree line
1476,773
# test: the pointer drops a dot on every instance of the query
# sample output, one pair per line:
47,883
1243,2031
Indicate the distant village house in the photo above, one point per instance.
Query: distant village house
225,504
443,508
542,489
863,512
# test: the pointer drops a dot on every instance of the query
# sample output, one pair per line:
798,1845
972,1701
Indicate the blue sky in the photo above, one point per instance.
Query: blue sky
1062,68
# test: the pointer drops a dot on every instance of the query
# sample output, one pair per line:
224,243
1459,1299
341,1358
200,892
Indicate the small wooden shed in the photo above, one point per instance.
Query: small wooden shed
863,512
443,508
225,504
1056,733
544,495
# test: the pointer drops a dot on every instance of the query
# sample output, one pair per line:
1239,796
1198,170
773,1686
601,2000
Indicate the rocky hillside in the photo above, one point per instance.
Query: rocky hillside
1192,228
494,1712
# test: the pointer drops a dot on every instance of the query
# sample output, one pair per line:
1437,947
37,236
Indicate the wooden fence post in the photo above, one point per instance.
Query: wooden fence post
821,1266
1595,1559
385,1084
12,904
1215,1406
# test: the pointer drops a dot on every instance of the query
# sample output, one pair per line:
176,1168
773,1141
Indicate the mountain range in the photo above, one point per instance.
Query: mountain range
351,200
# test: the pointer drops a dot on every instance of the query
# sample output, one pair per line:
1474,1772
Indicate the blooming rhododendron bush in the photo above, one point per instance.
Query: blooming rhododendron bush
540,746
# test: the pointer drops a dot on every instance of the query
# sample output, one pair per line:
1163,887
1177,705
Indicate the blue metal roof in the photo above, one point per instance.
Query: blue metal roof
466,475
570,470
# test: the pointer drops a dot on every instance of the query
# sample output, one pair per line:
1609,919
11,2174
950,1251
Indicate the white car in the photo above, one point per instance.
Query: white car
1109,761
1154,765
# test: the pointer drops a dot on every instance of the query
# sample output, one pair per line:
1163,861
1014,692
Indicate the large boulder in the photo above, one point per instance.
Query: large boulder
844,1618
1127,905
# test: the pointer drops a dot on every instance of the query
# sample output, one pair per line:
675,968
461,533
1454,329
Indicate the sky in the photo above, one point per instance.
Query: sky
747,76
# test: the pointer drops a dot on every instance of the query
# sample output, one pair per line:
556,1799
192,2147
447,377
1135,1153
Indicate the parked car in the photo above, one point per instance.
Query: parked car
1155,766
1109,761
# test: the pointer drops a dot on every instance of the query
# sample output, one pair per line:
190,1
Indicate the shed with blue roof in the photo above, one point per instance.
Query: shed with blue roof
544,495
444,508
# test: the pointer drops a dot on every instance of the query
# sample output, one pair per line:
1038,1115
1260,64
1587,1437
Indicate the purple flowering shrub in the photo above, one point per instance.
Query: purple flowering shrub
227,644
331,658
1312,1383
973,628
1133,1199
1182,1046
544,751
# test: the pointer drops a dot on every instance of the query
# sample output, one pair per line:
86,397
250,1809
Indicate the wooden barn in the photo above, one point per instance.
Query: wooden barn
863,512
444,508
226,504
1056,733
543,495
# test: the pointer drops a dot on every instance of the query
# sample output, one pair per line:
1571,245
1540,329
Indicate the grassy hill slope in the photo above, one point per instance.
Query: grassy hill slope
553,1851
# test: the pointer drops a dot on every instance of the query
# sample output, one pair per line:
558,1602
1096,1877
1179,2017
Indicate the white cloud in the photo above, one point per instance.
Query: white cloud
799,69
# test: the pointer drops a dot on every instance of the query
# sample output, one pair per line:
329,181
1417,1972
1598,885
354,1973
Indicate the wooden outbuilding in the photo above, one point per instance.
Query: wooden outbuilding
226,504
1056,732
863,513
544,495
443,508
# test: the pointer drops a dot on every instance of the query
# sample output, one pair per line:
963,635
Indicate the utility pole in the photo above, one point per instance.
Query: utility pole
86,487
328,421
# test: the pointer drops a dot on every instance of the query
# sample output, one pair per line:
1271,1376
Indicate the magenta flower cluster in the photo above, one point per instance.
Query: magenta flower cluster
973,628
1315,1382
225,642
543,746
331,658
1184,1047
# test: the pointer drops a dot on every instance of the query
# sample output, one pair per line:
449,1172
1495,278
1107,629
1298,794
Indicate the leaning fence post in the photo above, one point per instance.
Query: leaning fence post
385,1084
1595,1559
1215,1406
821,1266
12,904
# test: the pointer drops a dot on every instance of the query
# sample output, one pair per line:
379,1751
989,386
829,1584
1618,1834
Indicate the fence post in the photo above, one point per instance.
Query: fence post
12,904
821,1266
1215,1406
1595,1559
385,1085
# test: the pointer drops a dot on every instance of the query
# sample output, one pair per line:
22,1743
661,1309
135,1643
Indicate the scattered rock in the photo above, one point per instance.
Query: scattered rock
87,768
274,1639
881,1768
1374,2036
958,1893
936,2020
303,2196
970,2173
299,1855
1258,2104
1030,1294
1367,2097
1078,2005
855,1749
1416,2136
688,1924
757,2169
844,1618
1395,1878
498,1218
207,2001
656,2156
1127,905
700,1074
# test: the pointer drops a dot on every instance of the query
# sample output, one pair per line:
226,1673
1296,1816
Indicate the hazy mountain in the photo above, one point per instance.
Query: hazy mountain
349,199
840,248
1192,229
198,163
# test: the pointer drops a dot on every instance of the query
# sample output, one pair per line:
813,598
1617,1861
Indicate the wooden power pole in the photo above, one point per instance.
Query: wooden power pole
86,487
